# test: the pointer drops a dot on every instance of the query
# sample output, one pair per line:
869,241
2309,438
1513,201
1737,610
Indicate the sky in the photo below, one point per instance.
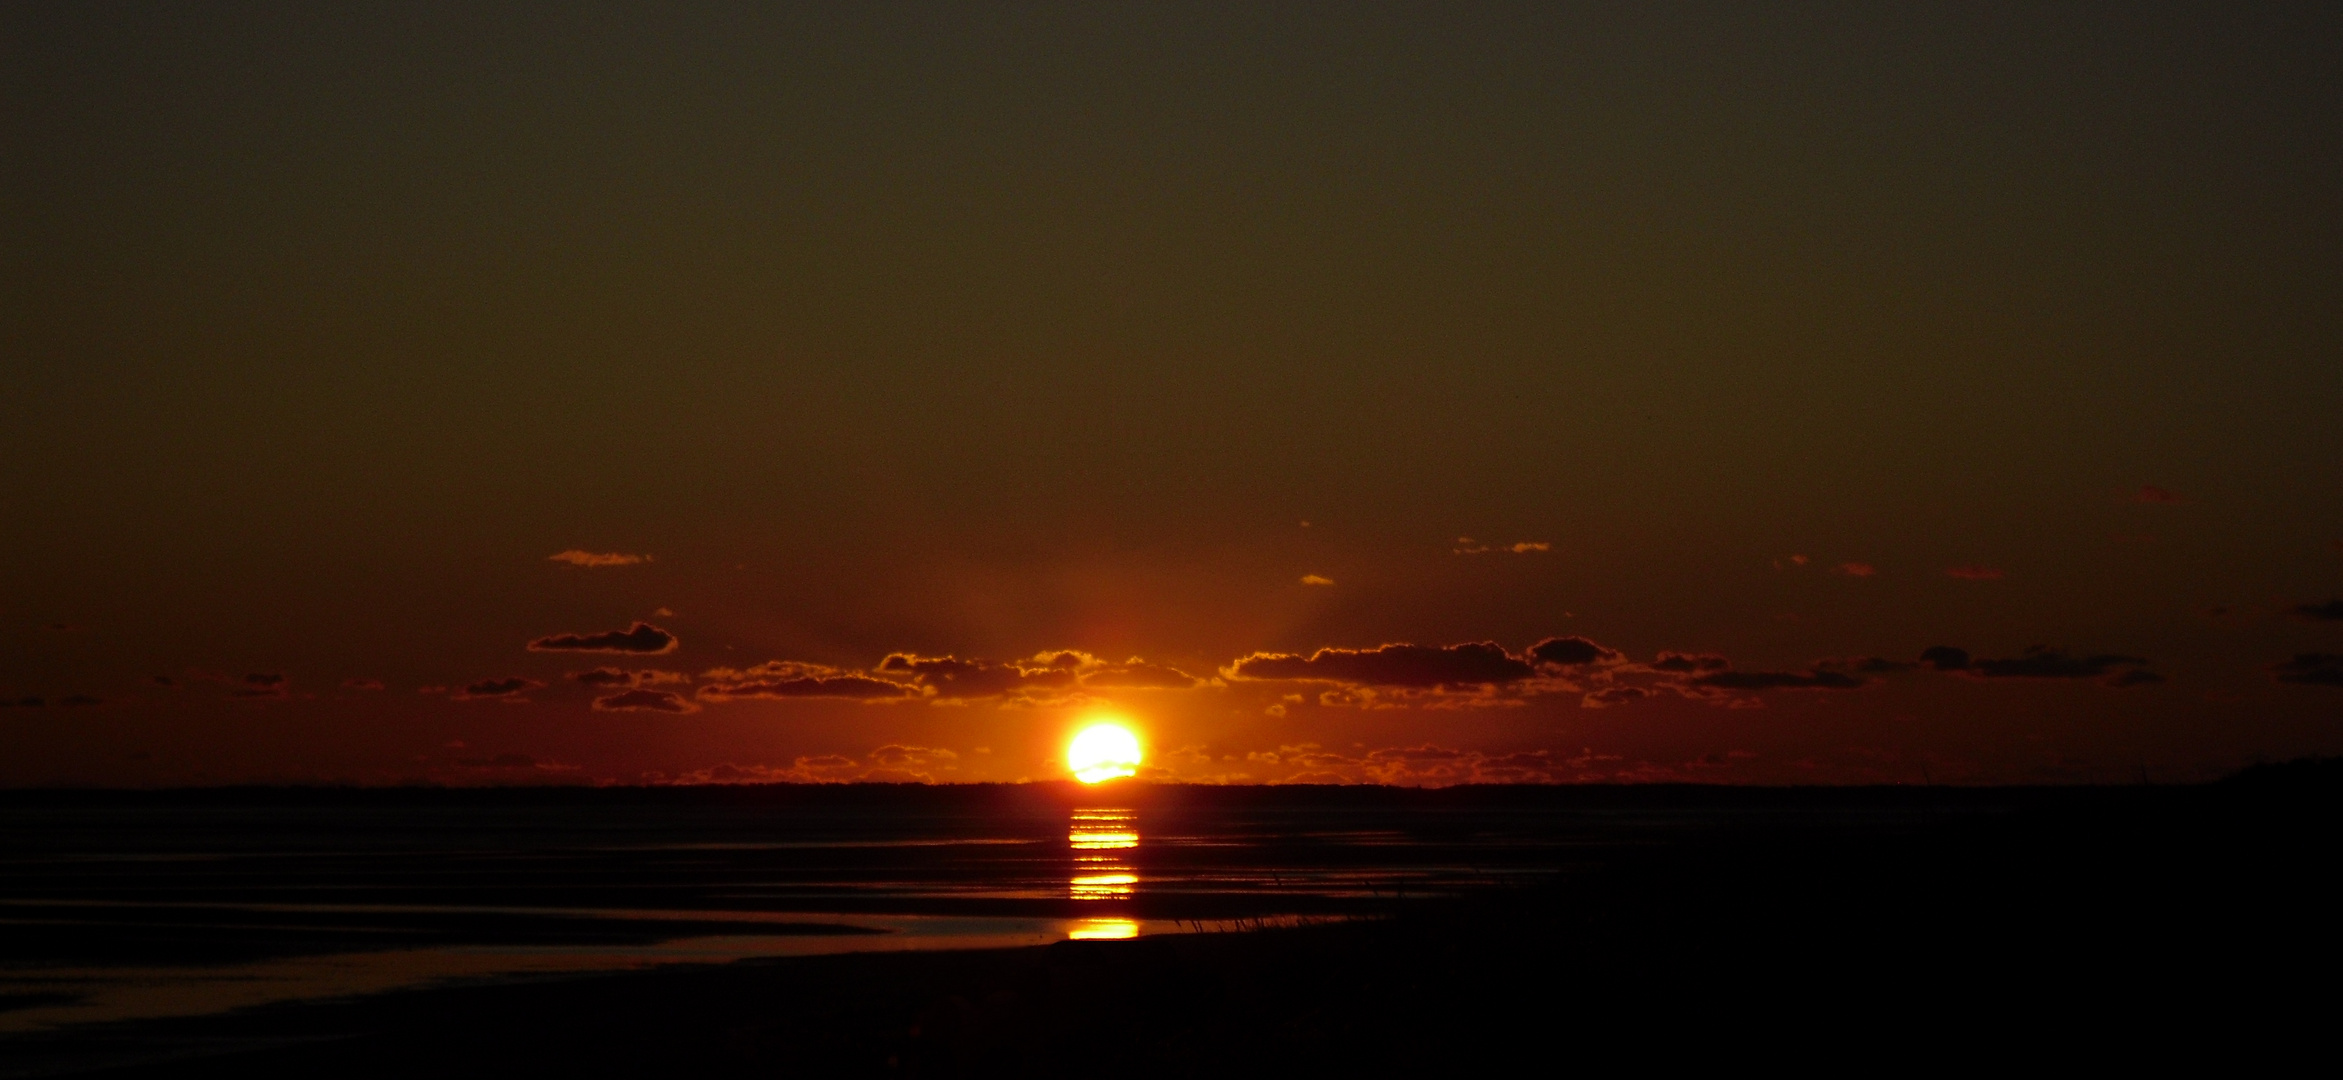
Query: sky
1402,393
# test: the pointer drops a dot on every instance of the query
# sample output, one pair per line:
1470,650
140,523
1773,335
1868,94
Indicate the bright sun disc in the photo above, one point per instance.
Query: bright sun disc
1103,752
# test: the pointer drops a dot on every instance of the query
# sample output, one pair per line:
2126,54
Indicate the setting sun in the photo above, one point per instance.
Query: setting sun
1103,752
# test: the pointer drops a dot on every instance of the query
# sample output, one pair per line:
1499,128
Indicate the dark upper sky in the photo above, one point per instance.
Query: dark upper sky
1798,336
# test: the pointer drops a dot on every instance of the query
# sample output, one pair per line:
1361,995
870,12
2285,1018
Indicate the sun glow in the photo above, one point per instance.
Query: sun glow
1103,752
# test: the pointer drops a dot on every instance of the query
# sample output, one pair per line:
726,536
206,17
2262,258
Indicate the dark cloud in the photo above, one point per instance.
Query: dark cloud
1571,652
1139,675
1049,676
2044,662
2331,611
1053,676
641,638
262,685
1778,680
854,687
499,689
361,684
1869,665
163,680
1479,663
645,700
1973,573
604,677
1945,658
1689,663
2310,669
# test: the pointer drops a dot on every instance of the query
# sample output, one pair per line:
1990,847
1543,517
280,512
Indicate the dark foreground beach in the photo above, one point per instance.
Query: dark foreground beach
1901,929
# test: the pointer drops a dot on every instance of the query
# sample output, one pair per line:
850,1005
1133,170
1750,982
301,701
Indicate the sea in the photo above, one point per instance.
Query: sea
118,907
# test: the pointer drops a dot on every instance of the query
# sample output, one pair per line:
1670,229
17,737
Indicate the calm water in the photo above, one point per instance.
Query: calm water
128,907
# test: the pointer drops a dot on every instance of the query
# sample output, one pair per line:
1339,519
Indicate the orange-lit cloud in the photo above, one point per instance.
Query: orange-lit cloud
1314,579
1466,545
581,558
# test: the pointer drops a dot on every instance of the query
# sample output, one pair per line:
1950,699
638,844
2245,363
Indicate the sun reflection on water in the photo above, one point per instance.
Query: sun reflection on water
1102,841
1102,929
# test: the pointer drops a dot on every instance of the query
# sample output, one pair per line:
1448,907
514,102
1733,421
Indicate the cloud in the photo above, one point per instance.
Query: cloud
898,764
1689,663
1466,545
1137,674
1945,658
2310,669
1427,765
2043,662
1572,652
499,689
1857,569
642,700
1313,579
853,687
1479,663
581,558
1973,573
610,676
261,685
2150,493
361,684
1047,676
890,764
1817,679
783,679
1057,676
642,638
1866,665
2330,611
1613,695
